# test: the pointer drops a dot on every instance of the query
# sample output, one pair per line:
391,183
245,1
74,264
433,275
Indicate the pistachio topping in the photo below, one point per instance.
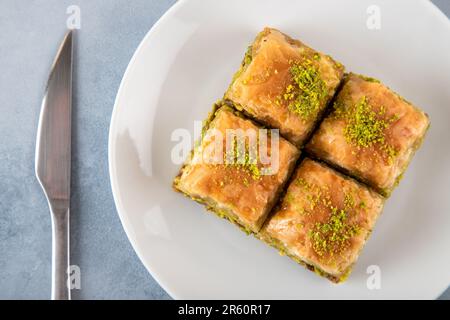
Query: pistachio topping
365,126
332,237
244,162
369,79
349,202
248,56
304,96
289,198
362,205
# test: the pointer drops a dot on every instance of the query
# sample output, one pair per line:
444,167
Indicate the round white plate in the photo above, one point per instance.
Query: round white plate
185,63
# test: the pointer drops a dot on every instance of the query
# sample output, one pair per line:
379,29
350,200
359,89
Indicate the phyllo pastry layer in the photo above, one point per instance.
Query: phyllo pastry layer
323,220
371,134
284,84
242,188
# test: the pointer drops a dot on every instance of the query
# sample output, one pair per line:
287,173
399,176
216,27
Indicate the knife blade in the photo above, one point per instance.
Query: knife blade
53,160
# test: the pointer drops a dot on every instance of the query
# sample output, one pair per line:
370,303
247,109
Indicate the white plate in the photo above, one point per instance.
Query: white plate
185,63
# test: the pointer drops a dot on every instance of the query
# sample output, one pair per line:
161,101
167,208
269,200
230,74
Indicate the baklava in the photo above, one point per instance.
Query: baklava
359,137
284,84
371,134
241,191
323,221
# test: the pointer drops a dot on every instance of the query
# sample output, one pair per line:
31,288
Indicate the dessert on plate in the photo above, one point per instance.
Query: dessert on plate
359,137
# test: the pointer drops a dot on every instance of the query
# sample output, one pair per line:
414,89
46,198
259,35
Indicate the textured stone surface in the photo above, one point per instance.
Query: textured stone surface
110,32
30,32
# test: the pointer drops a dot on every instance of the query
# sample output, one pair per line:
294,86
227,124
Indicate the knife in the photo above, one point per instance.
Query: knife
52,161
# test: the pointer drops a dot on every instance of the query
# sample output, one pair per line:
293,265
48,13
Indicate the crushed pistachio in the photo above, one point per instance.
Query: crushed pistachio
399,178
349,202
302,183
331,237
314,199
248,56
366,127
249,165
369,79
289,197
319,271
305,94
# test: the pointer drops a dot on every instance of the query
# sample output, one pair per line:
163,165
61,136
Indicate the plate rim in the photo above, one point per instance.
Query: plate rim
111,131
111,146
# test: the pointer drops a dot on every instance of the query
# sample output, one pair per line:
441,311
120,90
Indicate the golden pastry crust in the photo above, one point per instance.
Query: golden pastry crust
265,86
323,220
372,133
236,192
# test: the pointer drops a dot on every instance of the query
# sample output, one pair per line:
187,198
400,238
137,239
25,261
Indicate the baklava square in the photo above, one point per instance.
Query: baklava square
371,134
323,220
242,188
284,84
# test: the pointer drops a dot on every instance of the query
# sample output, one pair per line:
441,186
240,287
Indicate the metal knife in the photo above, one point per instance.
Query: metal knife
53,155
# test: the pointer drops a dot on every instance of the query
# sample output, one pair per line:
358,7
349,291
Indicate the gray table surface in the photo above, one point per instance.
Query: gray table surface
30,32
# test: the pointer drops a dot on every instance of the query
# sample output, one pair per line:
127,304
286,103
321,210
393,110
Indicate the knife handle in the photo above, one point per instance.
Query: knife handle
60,253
